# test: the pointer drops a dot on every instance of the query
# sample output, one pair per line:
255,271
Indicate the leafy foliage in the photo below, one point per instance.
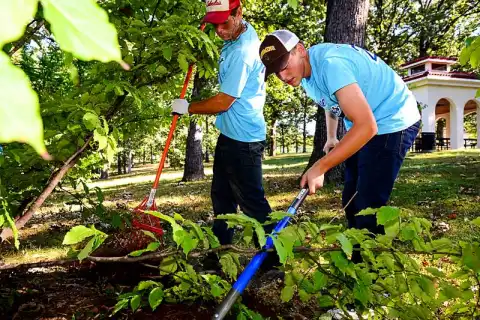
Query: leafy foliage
403,274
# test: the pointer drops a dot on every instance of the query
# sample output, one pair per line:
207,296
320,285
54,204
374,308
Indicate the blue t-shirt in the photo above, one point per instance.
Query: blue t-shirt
335,66
242,75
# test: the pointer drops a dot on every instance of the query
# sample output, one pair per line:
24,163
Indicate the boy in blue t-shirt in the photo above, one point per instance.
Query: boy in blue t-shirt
380,114
237,168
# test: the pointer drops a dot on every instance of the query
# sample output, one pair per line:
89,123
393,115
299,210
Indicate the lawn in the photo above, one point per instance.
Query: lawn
443,187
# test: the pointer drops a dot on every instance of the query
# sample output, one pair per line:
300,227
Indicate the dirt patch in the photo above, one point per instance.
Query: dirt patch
86,291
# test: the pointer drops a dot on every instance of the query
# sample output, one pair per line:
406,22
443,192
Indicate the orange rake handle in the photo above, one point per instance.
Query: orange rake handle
173,125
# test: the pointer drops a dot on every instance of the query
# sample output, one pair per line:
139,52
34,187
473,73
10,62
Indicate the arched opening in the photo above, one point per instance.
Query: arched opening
442,124
470,124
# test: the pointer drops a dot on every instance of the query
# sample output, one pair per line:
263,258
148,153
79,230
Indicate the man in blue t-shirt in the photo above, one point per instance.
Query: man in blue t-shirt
380,114
237,168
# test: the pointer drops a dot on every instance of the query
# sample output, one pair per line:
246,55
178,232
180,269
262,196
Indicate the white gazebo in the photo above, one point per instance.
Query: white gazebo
444,94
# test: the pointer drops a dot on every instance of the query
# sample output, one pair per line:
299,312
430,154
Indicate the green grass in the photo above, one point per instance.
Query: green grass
433,186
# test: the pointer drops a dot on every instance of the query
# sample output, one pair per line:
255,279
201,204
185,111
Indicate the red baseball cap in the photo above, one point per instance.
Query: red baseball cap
219,10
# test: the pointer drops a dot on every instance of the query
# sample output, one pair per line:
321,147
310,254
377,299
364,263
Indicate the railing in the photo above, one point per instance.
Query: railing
443,144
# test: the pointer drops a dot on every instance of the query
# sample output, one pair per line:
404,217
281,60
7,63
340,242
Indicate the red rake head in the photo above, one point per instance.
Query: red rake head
145,221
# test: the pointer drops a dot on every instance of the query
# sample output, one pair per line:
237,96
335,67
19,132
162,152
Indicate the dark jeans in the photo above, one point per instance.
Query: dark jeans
237,181
372,172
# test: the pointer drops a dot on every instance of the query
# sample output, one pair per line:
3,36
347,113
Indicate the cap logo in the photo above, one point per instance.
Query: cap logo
267,50
214,3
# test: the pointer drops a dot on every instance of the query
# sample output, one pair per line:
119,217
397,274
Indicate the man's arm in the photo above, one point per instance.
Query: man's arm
332,124
355,106
220,102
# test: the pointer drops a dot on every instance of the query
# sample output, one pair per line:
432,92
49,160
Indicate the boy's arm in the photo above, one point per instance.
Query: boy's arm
332,125
220,102
355,107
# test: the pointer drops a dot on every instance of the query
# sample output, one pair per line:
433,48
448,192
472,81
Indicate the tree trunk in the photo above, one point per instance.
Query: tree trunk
193,169
151,154
273,138
346,23
119,163
129,161
124,162
297,145
57,176
283,139
143,162
104,171
207,153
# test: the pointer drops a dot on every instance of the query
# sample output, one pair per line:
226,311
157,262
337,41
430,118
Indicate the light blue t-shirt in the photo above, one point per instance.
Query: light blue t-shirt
242,75
335,66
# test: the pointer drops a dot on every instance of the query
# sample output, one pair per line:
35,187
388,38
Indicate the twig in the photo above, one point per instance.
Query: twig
164,254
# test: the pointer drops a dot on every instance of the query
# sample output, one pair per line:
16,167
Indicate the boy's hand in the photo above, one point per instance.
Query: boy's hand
330,144
314,178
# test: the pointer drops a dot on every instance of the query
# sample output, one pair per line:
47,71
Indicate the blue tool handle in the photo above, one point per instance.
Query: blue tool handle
256,262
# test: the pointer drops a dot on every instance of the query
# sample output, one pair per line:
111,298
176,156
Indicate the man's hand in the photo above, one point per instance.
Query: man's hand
330,144
180,106
313,177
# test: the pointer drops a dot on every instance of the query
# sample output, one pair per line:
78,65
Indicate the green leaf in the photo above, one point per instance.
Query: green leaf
135,303
196,229
188,243
304,296
77,234
122,304
182,62
325,301
229,266
213,240
287,293
91,121
12,225
476,221
436,272
248,235
167,53
155,298
408,233
293,3
85,252
347,246
177,230
168,265
386,214
14,17
279,215
19,108
146,285
340,260
82,28
101,139
319,280
442,244
152,246
392,228
361,293
427,286
367,212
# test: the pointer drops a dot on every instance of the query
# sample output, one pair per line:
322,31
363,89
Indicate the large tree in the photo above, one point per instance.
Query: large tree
346,23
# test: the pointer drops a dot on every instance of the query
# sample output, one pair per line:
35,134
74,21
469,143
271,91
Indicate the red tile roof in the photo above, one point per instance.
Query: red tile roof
451,74
428,57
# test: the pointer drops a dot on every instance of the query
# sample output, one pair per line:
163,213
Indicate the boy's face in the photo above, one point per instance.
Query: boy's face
293,73
226,30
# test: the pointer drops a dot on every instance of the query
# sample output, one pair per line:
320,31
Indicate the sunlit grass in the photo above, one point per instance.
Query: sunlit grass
433,185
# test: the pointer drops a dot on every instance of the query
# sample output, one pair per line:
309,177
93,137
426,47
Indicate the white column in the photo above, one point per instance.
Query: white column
428,117
456,124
